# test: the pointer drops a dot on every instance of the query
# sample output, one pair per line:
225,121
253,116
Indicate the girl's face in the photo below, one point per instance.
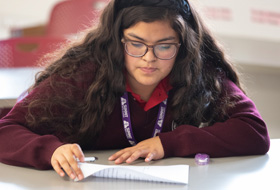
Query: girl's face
148,70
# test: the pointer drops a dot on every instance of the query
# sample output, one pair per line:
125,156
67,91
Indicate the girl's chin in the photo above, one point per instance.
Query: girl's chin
147,82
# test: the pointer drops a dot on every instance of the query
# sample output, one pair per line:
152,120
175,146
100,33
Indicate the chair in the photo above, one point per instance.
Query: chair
26,51
72,16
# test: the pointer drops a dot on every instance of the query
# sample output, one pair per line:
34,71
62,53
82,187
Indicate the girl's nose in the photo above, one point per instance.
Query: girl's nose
149,56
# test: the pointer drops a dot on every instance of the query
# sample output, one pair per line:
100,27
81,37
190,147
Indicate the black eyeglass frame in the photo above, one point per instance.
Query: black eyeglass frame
124,41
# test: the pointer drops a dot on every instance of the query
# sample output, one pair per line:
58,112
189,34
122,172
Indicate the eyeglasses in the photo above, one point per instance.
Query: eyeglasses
163,51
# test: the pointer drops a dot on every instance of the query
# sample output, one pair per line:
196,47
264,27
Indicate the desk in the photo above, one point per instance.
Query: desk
13,82
248,172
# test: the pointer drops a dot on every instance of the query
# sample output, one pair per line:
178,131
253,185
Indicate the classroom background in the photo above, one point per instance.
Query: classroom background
249,31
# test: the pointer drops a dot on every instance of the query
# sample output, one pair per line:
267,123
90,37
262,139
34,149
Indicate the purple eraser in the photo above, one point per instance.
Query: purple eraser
201,159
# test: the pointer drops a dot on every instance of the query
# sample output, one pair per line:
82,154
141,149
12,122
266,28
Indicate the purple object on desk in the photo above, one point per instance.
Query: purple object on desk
201,159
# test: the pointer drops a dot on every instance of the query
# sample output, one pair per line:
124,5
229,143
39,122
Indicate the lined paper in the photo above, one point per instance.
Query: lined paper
168,174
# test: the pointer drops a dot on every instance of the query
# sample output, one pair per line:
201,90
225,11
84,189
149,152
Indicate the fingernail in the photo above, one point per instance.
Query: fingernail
72,176
80,177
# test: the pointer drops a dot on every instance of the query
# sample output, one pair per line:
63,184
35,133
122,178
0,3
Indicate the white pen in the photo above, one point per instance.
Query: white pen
89,159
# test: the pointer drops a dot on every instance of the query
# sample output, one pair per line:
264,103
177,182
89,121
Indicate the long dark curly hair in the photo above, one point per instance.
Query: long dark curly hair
196,76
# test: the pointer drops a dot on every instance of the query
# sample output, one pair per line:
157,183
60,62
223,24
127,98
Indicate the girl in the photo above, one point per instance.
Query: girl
150,80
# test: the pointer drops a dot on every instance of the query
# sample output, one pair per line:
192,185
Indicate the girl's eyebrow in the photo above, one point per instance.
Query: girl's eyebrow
161,40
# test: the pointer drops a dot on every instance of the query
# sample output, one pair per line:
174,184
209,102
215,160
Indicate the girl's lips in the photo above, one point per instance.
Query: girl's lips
148,69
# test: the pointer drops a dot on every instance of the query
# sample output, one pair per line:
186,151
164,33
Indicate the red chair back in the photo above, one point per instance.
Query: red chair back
72,16
26,51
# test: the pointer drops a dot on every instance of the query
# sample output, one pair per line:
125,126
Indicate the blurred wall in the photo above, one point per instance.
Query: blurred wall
250,33
23,13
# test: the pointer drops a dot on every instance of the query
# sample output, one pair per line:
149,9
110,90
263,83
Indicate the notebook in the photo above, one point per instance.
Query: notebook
169,174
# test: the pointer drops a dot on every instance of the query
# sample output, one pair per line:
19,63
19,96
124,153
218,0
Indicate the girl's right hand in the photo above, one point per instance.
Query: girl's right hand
65,157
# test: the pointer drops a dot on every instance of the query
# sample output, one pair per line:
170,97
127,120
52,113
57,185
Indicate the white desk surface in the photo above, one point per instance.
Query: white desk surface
246,172
13,82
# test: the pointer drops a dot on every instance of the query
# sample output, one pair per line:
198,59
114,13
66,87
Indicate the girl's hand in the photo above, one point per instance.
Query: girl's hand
150,149
65,157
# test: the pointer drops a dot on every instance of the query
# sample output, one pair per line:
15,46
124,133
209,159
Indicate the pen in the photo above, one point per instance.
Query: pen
88,159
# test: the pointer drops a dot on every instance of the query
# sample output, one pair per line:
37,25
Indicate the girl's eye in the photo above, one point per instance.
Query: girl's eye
136,44
163,47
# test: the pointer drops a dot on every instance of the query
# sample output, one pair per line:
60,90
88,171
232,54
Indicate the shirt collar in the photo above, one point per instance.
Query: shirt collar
159,94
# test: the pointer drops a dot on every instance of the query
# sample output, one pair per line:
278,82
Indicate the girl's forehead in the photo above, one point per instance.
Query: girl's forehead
151,31
157,23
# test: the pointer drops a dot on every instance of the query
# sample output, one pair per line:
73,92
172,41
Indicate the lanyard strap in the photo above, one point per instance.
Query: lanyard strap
127,121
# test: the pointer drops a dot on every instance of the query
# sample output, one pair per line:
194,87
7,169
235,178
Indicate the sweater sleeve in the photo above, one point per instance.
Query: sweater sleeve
244,133
19,144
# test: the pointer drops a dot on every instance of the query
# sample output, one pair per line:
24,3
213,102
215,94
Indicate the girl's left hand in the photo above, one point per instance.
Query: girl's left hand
150,149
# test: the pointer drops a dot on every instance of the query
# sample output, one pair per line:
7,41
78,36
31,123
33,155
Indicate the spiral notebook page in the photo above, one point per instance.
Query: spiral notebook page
169,174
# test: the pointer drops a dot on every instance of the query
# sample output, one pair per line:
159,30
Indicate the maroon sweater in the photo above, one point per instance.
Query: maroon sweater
244,133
